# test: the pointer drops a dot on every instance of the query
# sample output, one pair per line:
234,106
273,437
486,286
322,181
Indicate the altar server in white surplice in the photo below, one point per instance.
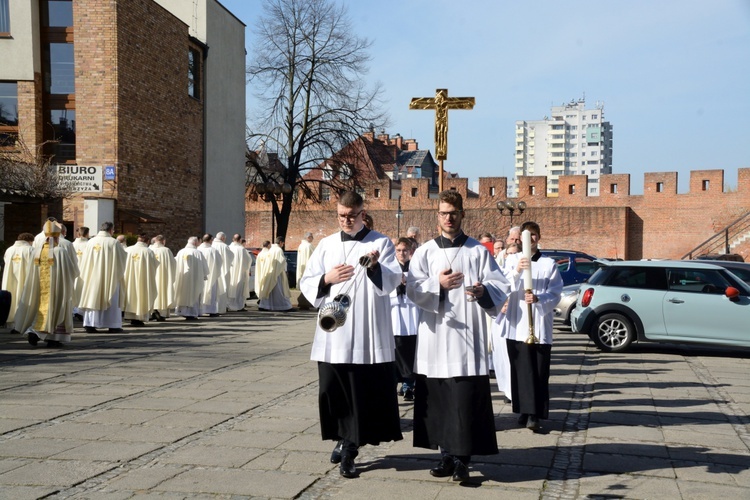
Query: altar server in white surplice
453,401
227,261
191,274
357,400
140,282
165,278
102,269
214,286
17,267
239,278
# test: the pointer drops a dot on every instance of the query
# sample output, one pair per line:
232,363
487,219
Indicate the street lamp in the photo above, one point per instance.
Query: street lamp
511,207
399,216
268,192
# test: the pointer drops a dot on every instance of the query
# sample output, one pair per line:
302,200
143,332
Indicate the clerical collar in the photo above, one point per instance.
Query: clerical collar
444,242
536,256
357,237
404,266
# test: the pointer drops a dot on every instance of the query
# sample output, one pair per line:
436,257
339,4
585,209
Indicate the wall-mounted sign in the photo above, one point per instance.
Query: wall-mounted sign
80,179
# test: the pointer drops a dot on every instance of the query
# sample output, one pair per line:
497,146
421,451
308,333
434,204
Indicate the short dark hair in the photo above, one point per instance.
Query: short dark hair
107,226
452,197
83,231
406,241
26,237
350,199
531,225
279,240
207,238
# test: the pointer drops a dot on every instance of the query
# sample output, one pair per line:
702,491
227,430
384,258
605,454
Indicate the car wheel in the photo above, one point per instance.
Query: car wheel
614,333
566,320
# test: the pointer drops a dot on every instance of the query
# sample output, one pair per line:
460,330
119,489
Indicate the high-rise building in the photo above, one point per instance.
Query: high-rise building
573,140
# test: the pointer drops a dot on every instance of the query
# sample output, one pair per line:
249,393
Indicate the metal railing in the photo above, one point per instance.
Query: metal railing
722,240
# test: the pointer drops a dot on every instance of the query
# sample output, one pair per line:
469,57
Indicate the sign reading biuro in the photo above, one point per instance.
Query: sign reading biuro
80,179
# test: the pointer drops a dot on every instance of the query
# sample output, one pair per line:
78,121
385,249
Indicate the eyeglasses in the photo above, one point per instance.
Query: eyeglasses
452,215
350,217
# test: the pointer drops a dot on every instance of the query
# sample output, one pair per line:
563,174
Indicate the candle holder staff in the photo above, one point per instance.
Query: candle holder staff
527,326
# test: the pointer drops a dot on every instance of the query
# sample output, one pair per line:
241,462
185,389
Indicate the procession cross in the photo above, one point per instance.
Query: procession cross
441,103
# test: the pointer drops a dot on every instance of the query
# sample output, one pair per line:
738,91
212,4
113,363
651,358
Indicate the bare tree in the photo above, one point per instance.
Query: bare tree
308,71
28,173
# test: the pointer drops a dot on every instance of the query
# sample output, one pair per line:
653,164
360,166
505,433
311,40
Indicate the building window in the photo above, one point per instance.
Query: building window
325,193
377,193
413,192
613,188
8,114
4,18
572,189
61,125
492,190
705,185
659,187
532,190
194,73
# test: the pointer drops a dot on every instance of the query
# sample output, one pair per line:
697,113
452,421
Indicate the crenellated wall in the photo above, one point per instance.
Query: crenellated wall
660,223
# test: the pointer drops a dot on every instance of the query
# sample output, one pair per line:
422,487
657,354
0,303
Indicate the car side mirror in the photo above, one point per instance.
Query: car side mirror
732,293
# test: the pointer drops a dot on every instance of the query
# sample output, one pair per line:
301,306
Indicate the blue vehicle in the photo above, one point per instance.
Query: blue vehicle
574,267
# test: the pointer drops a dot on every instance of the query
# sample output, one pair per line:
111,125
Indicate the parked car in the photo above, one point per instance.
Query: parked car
732,257
663,301
574,267
739,269
567,303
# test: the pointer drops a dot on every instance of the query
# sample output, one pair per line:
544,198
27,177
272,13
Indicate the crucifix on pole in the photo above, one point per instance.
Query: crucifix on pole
441,103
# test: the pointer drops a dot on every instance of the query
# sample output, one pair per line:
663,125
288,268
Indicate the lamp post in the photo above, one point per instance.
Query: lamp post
399,216
511,207
268,192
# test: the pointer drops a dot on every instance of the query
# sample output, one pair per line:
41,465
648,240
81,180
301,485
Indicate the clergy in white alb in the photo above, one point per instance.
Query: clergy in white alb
165,278
79,245
453,402
530,363
191,274
213,287
357,401
239,279
102,269
45,309
140,282
227,261
271,282
17,268
304,251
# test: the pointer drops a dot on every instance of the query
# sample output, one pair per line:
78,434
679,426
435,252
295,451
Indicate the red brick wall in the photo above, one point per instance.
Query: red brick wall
653,225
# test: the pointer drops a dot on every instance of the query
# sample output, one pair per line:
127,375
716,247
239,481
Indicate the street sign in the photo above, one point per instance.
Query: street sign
109,173
80,179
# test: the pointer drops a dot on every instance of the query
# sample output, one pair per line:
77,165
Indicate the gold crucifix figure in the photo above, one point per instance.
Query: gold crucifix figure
441,103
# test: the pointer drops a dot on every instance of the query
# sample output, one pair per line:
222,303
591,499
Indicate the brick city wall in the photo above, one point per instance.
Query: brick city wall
657,224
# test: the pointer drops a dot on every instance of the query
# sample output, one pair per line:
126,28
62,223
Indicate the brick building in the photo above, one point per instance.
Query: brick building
142,104
660,223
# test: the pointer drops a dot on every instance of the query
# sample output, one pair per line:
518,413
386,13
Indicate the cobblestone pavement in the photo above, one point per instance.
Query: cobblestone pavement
226,408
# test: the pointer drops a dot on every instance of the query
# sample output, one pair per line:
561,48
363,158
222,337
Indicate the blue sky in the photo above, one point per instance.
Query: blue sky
674,75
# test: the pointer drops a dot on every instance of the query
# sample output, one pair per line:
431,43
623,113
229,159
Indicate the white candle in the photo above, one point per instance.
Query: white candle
526,248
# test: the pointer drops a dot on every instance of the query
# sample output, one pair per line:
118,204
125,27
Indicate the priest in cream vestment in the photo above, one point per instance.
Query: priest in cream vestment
17,267
213,287
227,261
239,279
102,269
140,282
271,282
165,277
45,309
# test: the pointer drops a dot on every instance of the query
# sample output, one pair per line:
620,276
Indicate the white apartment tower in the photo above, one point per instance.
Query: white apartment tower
572,141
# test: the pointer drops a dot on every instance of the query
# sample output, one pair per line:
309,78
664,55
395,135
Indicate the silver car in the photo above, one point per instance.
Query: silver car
567,303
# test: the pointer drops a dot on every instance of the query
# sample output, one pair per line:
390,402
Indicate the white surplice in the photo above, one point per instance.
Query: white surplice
371,341
452,333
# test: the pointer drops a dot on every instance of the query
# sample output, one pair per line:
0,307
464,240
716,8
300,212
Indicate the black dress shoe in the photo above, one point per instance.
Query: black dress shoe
336,453
78,317
347,467
533,424
90,329
461,472
137,322
523,419
54,343
213,315
116,330
445,468
409,395
33,338
191,318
